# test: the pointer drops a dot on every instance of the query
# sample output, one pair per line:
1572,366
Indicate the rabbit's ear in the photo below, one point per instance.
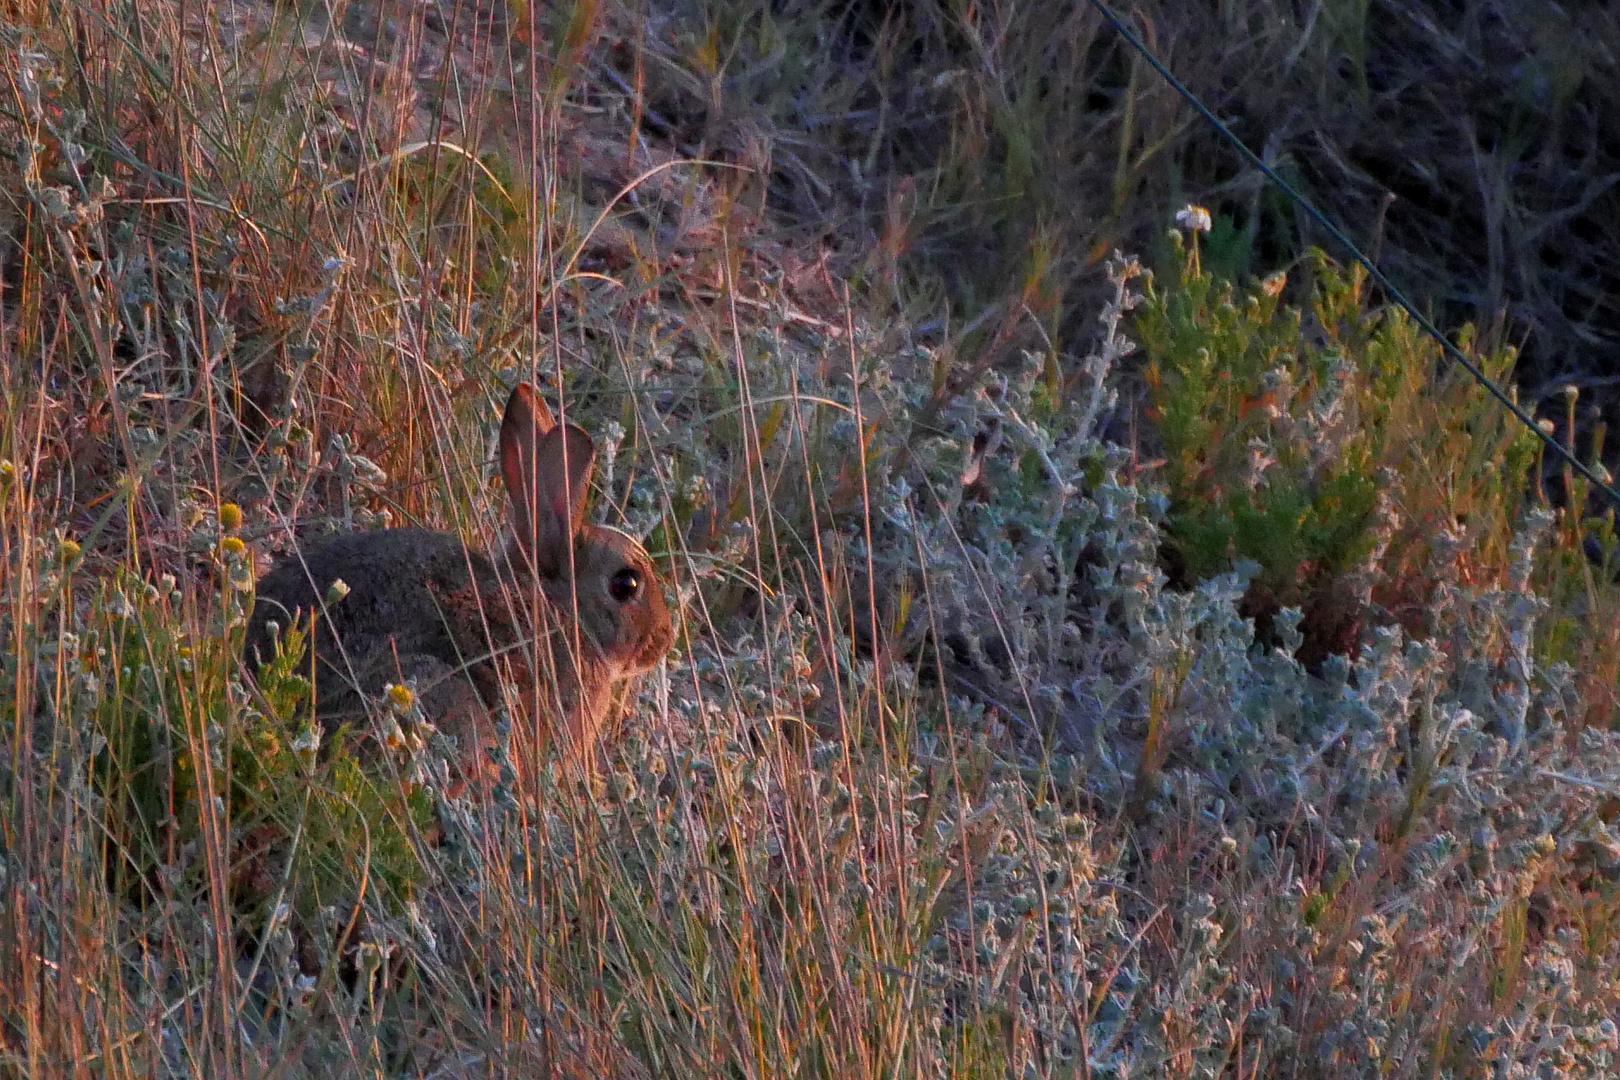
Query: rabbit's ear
526,412
547,469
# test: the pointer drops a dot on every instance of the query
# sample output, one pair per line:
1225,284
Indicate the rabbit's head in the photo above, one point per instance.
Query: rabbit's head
593,577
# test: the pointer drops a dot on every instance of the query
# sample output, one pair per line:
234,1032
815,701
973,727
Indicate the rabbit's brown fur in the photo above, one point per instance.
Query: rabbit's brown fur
560,618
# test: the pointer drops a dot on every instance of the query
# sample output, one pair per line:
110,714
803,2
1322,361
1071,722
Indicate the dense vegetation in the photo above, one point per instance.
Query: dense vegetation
1082,669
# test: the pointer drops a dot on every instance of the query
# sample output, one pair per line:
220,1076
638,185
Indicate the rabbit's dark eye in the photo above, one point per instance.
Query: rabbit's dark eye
624,585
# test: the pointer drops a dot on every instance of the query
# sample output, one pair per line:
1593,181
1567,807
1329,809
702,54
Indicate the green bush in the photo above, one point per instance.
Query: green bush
1333,445
208,785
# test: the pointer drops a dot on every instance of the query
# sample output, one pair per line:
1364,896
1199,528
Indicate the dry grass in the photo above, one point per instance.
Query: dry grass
941,779
992,156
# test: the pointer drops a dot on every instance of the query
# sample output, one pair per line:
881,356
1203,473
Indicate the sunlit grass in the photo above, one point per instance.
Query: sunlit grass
941,778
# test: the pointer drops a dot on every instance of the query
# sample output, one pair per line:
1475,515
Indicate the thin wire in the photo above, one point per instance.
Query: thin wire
1377,275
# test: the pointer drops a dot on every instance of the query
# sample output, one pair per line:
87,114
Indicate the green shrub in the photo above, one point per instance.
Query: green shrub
1334,445
209,785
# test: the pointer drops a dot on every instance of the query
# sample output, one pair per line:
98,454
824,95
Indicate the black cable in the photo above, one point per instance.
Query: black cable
1355,252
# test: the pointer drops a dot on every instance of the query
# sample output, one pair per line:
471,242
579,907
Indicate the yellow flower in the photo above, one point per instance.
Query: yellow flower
401,696
230,517
233,547
67,550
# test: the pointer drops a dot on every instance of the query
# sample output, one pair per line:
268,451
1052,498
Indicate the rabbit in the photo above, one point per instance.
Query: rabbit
564,613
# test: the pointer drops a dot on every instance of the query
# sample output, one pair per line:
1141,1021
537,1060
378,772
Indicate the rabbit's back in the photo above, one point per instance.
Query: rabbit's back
415,597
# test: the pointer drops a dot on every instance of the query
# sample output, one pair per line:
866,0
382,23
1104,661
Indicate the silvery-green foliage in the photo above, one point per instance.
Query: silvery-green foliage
1038,564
